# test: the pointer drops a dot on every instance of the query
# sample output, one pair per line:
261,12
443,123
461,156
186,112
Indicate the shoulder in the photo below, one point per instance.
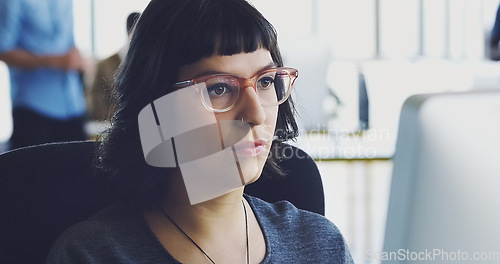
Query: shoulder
87,234
114,234
286,214
286,217
311,236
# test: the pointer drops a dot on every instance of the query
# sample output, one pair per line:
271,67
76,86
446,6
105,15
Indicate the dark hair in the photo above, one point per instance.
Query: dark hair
131,19
168,35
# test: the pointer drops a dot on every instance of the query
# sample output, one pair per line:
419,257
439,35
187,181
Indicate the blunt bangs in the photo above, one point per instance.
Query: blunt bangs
223,27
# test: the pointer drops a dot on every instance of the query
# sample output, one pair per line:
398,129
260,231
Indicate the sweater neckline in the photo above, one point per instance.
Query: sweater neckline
256,212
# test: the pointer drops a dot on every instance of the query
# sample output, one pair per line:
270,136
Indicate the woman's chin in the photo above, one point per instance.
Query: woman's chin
250,172
252,169
254,179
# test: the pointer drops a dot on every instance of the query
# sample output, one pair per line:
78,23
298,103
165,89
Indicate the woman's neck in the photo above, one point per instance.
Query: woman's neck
208,216
219,226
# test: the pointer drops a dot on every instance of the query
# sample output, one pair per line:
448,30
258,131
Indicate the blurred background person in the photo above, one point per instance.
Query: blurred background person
37,44
99,94
495,38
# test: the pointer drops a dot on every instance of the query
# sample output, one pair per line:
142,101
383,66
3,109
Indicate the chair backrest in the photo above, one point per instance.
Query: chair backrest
47,188
302,185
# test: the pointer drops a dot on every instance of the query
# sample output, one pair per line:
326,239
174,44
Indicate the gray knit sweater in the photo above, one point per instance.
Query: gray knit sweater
120,235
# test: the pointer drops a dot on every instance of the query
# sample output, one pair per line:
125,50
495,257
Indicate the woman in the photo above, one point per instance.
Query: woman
225,53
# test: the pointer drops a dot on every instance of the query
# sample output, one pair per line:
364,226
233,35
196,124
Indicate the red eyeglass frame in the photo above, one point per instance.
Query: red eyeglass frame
292,73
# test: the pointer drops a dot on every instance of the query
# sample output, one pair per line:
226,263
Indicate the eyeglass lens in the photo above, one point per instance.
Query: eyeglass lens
272,88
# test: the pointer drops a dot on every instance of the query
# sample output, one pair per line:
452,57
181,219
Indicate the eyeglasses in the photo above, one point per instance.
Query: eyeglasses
221,91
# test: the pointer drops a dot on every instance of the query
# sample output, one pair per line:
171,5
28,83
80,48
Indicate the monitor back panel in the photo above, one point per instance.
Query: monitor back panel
445,194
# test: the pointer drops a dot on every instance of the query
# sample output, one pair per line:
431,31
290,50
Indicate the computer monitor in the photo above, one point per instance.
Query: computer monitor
444,205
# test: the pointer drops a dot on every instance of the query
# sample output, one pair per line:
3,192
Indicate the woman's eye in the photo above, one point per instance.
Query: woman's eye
219,89
266,82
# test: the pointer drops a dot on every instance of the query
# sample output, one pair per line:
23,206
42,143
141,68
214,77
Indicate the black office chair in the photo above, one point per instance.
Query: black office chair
47,188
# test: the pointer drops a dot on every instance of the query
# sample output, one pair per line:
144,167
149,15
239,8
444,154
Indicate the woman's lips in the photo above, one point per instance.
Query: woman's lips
250,148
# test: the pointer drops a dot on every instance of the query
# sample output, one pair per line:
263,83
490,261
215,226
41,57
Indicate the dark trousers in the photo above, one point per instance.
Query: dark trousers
31,128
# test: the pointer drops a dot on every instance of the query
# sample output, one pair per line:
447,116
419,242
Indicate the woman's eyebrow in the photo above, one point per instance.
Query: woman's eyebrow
206,73
270,66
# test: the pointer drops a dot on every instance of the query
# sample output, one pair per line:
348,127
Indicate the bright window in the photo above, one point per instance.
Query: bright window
399,28
435,39
349,26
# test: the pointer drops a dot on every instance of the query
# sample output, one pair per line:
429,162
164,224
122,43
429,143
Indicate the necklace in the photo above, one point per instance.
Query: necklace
202,251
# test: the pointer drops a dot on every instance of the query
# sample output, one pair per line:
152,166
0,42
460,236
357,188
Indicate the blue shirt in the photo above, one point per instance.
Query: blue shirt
42,27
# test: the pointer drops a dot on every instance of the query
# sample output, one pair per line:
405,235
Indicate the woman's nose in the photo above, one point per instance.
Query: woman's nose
251,109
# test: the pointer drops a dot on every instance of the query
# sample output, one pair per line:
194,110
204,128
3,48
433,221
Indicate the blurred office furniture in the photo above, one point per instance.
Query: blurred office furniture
311,56
44,190
47,188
